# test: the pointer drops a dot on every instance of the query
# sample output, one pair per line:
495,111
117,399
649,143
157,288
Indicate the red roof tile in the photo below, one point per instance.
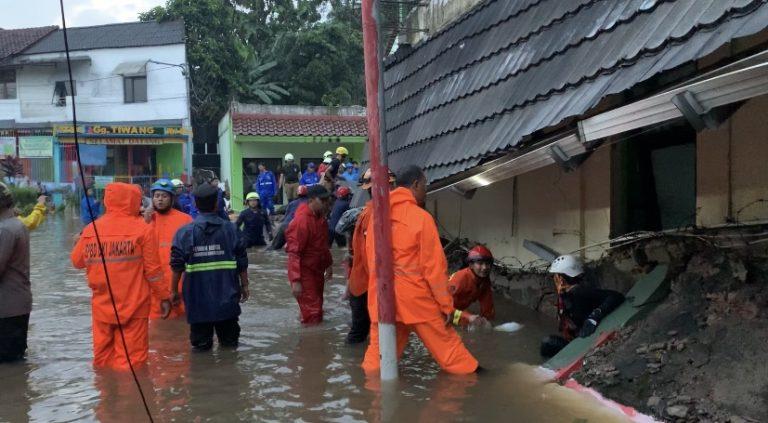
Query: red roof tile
299,125
13,41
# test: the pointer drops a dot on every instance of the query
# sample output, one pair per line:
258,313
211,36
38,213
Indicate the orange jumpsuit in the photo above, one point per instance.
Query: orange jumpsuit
165,226
467,288
422,299
130,250
358,273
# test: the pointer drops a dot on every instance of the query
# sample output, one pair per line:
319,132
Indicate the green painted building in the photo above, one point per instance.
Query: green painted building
252,134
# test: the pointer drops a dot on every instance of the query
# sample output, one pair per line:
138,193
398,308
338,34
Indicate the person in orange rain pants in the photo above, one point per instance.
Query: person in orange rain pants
133,266
423,303
473,283
165,221
309,256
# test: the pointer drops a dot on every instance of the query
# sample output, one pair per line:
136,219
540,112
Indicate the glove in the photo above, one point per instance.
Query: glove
460,318
588,328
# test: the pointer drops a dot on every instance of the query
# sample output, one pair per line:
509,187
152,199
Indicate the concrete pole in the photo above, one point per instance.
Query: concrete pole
380,193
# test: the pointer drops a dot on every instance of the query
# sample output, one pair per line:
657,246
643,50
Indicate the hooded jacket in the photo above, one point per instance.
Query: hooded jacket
130,250
420,267
307,245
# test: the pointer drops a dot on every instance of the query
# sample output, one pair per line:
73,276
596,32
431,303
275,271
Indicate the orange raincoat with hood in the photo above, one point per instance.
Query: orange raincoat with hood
165,226
134,268
422,299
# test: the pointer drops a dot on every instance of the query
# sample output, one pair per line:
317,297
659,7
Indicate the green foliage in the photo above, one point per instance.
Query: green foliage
24,196
266,51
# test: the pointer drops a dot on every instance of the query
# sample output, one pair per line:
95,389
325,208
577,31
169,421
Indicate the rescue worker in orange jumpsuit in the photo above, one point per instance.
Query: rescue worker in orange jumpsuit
423,303
165,221
134,270
357,280
473,283
309,257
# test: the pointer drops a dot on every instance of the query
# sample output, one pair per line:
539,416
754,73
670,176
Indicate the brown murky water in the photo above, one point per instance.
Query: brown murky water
281,372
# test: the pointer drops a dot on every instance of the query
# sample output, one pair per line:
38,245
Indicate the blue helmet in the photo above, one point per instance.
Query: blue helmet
163,185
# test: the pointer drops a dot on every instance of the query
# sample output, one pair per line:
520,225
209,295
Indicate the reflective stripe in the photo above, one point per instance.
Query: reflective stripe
456,317
213,265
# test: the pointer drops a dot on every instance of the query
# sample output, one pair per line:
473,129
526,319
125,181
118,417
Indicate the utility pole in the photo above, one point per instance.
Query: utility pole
382,228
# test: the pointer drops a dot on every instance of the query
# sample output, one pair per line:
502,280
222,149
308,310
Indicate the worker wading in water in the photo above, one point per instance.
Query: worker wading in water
212,257
309,257
579,308
422,301
134,268
254,220
473,283
165,221
358,277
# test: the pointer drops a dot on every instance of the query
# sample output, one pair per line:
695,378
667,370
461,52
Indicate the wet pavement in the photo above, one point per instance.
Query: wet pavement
281,371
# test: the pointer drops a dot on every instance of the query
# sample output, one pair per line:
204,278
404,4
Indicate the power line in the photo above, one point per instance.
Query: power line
95,230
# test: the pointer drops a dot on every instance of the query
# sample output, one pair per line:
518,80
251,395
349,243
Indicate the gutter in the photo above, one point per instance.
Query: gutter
694,100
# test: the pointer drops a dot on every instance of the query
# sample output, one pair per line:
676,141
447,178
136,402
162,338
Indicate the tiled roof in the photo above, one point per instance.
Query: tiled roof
299,125
12,41
131,34
509,68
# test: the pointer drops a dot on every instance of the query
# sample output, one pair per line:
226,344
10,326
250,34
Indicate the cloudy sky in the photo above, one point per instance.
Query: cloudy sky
29,13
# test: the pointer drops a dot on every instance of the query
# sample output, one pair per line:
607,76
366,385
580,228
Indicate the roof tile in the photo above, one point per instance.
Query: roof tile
13,41
299,125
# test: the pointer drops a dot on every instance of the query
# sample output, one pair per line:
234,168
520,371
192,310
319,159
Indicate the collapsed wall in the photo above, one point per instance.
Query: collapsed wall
700,354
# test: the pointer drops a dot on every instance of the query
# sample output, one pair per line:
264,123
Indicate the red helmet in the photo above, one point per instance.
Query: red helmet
343,192
479,253
302,191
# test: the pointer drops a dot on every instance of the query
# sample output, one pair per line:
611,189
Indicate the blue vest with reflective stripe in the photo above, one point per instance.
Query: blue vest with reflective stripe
212,255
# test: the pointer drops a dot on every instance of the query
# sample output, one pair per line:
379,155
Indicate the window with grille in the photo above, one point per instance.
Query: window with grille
135,89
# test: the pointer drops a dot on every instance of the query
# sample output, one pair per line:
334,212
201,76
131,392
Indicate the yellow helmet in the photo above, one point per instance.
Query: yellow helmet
252,196
342,150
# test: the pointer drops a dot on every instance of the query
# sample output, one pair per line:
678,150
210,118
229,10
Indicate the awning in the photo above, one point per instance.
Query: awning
131,68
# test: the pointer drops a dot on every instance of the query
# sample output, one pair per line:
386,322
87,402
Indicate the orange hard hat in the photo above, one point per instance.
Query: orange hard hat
479,253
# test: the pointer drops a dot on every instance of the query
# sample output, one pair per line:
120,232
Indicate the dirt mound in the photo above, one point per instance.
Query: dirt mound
701,354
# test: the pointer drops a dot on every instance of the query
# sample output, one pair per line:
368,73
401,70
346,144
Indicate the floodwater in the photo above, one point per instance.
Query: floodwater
281,371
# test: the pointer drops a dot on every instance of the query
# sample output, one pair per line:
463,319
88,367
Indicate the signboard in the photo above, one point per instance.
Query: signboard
7,146
121,141
35,146
102,181
123,130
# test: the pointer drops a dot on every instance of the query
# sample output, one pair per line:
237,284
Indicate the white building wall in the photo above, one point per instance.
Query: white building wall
562,210
99,90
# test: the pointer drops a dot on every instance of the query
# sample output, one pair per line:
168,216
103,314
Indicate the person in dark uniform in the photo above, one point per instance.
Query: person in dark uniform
580,308
211,255
254,221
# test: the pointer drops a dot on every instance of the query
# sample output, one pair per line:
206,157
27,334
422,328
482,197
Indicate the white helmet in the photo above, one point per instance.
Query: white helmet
289,157
327,155
567,265
177,183
327,160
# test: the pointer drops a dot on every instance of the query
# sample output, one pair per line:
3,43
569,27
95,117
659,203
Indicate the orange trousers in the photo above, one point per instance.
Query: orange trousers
108,350
442,342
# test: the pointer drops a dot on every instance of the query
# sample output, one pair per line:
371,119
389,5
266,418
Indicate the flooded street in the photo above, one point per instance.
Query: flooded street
280,372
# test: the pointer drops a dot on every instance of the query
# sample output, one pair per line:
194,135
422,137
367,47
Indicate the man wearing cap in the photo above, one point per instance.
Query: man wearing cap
15,286
473,283
309,258
254,221
165,221
213,259
310,177
289,177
